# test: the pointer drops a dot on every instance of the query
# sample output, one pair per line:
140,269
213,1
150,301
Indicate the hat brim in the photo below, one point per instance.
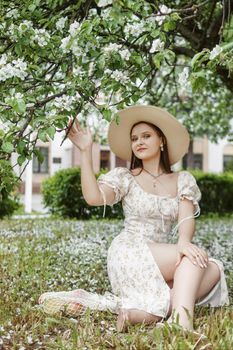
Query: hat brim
119,131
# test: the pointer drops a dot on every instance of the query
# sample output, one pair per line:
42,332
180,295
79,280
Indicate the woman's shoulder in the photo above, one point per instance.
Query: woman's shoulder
117,172
185,174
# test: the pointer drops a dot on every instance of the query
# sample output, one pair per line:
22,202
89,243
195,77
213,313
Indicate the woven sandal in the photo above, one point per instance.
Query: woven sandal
62,306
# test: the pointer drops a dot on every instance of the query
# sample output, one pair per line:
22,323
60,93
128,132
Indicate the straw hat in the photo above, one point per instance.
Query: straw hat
119,132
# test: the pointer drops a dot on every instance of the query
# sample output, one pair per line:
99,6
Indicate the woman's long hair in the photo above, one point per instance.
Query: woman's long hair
164,157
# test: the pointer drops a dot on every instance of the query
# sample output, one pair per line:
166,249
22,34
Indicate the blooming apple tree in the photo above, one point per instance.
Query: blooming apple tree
62,58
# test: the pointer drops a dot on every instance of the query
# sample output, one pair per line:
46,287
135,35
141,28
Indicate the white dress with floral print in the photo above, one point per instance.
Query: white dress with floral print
135,278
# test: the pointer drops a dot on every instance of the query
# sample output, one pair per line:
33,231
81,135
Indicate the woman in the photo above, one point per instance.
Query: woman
151,279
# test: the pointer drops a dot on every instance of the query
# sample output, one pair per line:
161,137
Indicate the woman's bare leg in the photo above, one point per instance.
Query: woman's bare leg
181,293
134,316
189,284
187,280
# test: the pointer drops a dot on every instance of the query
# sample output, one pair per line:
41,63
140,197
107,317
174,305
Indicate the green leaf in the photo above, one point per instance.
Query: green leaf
199,58
21,146
39,155
19,106
21,159
18,49
198,81
51,132
42,135
157,59
7,147
107,114
170,25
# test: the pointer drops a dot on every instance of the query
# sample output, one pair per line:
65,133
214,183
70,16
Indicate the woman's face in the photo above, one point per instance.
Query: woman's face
145,142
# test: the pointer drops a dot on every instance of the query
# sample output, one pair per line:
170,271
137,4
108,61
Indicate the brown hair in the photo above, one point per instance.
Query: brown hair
164,156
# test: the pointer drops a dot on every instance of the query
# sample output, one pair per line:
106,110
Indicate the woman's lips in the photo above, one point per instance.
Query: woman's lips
141,149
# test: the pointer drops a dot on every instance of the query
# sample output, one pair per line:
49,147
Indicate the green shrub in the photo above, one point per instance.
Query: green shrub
62,195
217,192
8,183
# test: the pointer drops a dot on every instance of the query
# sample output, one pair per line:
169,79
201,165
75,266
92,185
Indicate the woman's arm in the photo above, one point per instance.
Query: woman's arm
82,139
186,231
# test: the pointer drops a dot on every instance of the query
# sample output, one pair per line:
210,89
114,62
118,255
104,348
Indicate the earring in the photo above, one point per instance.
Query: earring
161,147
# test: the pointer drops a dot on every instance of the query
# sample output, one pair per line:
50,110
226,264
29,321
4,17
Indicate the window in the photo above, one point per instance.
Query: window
41,168
227,162
104,159
56,160
197,161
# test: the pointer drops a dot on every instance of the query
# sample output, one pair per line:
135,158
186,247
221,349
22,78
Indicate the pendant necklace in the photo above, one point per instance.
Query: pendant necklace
155,177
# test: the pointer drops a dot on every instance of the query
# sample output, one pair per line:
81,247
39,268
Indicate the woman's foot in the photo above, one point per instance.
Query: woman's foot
122,320
134,316
63,294
59,305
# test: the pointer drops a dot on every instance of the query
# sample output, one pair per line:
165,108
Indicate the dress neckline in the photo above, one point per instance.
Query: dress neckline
153,194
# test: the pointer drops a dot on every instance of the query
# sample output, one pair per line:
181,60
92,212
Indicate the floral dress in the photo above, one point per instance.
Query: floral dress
135,277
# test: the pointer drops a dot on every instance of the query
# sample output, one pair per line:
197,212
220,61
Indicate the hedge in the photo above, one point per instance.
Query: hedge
9,201
62,195
217,192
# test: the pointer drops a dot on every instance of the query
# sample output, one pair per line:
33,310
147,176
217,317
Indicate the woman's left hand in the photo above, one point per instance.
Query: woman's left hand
196,255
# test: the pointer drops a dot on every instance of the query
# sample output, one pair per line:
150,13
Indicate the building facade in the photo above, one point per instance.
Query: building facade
208,157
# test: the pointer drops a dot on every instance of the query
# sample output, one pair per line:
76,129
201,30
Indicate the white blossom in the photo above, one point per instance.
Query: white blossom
3,60
105,13
12,32
164,10
112,47
215,52
118,75
61,23
125,54
19,96
25,25
183,77
16,68
13,13
74,28
157,45
103,3
41,37
77,71
64,44
134,29
91,68
65,102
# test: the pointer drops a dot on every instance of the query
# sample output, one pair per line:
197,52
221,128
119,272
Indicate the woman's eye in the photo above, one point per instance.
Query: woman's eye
146,136
133,140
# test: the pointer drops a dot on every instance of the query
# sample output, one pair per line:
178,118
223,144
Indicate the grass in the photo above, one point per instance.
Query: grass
46,255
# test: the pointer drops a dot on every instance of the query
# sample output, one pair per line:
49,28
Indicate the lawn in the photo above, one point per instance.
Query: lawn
50,254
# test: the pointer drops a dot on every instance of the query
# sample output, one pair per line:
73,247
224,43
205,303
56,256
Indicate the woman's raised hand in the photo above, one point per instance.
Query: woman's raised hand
81,138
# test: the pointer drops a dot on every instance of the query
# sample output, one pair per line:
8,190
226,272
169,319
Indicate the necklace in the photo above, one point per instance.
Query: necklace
155,177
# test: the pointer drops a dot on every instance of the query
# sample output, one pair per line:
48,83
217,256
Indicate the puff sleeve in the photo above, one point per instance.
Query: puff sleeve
118,180
188,188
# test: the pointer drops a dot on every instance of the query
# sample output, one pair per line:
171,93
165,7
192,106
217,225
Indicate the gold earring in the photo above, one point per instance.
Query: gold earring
161,147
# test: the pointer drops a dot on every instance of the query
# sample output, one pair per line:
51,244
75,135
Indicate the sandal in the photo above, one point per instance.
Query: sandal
59,305
62,294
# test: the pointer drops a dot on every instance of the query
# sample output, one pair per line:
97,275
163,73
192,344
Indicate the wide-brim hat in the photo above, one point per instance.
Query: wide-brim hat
119,131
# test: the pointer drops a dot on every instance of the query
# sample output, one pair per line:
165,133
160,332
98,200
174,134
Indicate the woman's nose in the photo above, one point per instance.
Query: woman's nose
140,141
